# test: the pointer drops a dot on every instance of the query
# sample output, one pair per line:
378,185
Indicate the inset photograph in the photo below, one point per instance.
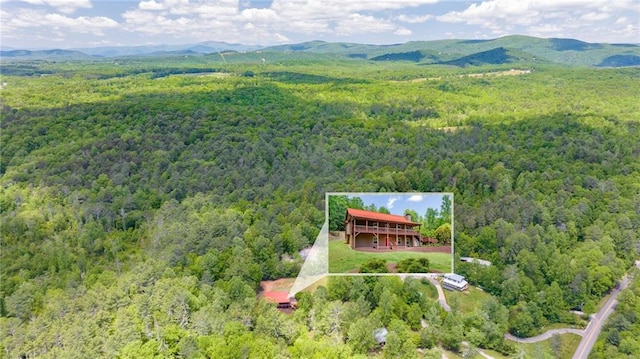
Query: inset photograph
375,233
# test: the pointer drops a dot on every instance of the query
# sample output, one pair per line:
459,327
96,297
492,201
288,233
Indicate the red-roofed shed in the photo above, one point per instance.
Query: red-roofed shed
281,299
367,229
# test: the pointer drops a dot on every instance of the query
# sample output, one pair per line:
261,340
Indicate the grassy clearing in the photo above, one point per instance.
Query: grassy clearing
452,129
582,325
468,301
279,285
429,290
320,282
601,303
451,355
343,259
566,346
494,354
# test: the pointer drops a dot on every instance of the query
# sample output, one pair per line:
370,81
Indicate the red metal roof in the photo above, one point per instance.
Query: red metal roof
277,297
376,216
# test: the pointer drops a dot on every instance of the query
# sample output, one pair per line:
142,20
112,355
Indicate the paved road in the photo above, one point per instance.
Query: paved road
597,321
441,298
544,336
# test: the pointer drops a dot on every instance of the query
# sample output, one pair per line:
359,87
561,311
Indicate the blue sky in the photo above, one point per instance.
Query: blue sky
91,23
396,203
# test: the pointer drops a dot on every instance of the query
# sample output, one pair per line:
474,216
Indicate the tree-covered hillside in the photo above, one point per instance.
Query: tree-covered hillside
569,52
139,213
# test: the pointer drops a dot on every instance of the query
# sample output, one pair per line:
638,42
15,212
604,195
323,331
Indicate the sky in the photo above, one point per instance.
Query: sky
396,203
38,24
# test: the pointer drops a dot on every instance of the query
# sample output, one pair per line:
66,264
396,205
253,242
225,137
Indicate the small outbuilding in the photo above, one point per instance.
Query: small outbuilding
380,335
281,299
482,262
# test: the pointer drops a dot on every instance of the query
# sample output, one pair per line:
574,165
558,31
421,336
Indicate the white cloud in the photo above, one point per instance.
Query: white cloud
151,5
545,30
341,17
309,26
225,18
80,23
487,12
415,198
207,20
391,201
595,16
259,15
53,22
281,38
622,20
414,19
208,8
403,32
336,8
159,23
358,24
513,11
65,6
556,18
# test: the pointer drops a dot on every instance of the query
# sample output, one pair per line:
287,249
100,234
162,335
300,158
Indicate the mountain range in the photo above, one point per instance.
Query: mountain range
504,50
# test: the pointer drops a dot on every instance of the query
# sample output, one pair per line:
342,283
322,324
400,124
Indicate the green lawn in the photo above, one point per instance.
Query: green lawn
581,325
567,345
343,259
468,301
320,282
494,354
429,290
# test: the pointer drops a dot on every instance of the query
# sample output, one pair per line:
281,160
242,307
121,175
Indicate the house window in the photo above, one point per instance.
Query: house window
399,241
375,242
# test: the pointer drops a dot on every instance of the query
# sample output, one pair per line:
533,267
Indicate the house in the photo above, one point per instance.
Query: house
367,229
280,299
454,281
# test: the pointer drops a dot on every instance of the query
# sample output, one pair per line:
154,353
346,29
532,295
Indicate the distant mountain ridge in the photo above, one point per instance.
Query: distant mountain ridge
206,47
458,52
504,50
54,53
116,51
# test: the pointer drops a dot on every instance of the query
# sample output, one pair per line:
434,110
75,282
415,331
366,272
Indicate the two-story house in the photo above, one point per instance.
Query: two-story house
373,230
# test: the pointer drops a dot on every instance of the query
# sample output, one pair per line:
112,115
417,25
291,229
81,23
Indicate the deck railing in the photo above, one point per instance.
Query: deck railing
386,230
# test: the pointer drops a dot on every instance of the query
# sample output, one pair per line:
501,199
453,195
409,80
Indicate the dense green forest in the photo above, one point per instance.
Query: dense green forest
140,212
